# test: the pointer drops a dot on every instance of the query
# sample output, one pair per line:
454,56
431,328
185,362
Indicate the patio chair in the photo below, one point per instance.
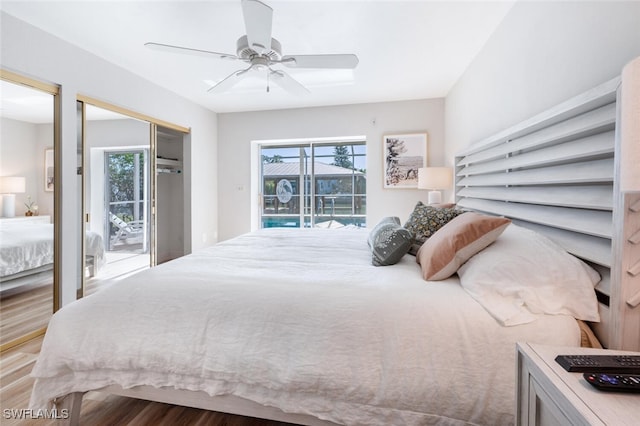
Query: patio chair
126,230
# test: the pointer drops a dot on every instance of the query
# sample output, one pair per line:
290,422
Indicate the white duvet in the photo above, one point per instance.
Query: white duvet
25,246
300,320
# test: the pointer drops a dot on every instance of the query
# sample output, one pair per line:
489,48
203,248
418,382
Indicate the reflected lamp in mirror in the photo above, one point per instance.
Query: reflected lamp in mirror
435,179
9,187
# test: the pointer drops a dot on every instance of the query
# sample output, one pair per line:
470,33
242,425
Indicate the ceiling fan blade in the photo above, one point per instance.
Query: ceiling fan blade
258,18
321,61
287,82
187,50
228,82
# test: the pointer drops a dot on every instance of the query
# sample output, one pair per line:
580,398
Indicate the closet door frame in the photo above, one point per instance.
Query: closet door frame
53,90
153,139
153,126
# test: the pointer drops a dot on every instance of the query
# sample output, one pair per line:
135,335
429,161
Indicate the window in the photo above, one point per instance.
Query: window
313,184
126,192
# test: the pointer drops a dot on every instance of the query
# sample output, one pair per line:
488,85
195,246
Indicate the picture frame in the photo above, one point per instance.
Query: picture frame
48,170
403,155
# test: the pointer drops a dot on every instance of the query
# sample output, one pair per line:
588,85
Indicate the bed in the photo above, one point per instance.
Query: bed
26,249
356,344
299,326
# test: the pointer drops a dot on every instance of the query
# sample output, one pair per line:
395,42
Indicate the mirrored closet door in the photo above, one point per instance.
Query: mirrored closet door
27,186
133,194
117,196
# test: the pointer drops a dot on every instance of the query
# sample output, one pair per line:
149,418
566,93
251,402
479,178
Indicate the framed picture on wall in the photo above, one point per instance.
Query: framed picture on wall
48,169
403,155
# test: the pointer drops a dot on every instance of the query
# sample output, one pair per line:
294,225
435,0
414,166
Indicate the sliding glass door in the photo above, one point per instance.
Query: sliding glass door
121,153
283,170
116,175
127,200
313,184
339,184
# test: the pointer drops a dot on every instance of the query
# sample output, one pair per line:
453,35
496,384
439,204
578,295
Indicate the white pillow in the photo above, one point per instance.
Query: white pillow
523,274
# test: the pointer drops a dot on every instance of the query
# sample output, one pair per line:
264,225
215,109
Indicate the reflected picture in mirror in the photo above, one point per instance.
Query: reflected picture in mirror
48,170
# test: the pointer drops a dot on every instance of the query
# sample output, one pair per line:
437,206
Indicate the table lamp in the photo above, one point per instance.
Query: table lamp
9,187
435,179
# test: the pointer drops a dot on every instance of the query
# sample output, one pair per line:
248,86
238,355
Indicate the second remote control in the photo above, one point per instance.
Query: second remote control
624,364
614,382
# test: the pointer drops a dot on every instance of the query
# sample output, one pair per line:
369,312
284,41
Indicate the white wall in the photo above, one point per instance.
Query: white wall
237,130
22,146
31,52
541,54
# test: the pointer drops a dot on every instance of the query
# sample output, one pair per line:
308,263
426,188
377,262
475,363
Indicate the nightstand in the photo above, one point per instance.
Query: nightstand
547,394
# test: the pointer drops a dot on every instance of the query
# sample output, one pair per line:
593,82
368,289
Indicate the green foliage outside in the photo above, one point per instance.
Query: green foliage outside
341,157
275,159
121,170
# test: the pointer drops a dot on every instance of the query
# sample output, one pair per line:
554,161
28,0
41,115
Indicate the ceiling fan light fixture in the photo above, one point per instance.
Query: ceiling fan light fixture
260,63
258,49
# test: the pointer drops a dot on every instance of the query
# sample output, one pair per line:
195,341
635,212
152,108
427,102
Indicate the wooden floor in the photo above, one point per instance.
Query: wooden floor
100,409
29,307
25,309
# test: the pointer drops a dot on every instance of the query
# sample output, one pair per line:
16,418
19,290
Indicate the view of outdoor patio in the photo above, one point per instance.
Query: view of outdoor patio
126,209
333,189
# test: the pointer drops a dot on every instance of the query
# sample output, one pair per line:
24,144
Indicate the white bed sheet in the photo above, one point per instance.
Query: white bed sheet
94,246
25,246
300,320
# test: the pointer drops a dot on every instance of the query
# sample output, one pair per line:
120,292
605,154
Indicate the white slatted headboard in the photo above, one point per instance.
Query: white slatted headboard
557,173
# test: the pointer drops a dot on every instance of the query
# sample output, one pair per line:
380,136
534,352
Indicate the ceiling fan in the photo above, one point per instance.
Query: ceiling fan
262,52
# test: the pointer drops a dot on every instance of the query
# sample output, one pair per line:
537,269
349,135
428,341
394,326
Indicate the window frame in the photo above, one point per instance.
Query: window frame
307,211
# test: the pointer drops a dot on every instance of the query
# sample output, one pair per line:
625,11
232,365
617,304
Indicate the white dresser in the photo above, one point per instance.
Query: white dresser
547,394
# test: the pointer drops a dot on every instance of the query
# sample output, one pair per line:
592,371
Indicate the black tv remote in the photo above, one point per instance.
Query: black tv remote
614,382
622,364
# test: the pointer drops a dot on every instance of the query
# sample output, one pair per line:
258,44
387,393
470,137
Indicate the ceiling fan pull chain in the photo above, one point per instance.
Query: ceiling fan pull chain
268,79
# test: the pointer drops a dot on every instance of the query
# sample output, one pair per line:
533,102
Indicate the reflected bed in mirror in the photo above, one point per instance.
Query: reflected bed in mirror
26,272
26,251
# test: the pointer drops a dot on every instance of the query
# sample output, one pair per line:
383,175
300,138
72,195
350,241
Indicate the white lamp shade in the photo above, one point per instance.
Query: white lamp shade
435,178
12,185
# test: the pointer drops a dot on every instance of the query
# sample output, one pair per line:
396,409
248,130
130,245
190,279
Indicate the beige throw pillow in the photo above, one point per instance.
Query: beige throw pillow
456,242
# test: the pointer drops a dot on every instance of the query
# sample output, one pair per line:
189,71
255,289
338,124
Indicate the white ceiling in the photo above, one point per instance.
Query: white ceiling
407,49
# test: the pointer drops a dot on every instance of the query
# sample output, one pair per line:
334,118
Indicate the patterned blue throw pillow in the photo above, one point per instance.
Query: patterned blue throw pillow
389,242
